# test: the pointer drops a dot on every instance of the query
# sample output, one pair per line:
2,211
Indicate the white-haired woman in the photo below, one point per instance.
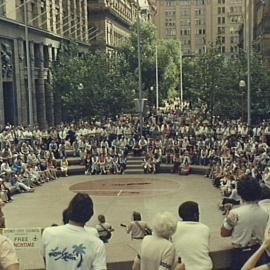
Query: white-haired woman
157,252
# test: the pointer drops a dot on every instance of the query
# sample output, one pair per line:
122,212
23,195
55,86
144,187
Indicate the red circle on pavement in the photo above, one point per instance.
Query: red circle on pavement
127,186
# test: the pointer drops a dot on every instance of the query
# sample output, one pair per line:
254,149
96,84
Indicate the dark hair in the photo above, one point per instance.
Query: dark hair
101,218
189,211
265,193
249,189
136,216
80,208
65,216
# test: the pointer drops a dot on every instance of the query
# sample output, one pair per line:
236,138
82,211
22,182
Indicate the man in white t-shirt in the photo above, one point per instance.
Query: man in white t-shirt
245,224
70,246
191,239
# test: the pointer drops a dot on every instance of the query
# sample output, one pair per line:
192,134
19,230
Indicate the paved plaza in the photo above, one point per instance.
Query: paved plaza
116,196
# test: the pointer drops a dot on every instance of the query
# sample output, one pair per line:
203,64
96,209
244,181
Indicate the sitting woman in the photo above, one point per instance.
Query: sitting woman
52,169
64,166
157,251
176,163
147,164
185,168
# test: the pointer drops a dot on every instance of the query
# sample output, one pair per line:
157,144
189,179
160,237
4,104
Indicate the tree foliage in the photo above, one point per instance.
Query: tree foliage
214,79
92,84
168,61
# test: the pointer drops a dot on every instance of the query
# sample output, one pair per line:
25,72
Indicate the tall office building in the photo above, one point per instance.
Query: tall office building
112,19
261,28
201,23
224,19
183,20
51,23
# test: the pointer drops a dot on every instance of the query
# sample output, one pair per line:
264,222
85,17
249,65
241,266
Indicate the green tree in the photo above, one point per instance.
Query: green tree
92,84
214,80
168,61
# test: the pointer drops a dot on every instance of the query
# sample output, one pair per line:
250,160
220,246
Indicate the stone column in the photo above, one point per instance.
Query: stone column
33,75
49,93
40,90
23,87
61,17
76,26
86,22
2,109
17,92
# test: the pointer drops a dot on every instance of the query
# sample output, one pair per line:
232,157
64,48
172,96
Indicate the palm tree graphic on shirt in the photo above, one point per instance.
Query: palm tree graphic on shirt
79,251
66,255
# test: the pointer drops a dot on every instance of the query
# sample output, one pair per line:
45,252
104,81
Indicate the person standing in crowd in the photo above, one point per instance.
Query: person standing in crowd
8,256
104,229
70,246
245,224
157,251
191,238
137,226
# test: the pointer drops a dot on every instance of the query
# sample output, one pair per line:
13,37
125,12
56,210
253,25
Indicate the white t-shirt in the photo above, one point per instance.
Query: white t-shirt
191,241
250,225
71,247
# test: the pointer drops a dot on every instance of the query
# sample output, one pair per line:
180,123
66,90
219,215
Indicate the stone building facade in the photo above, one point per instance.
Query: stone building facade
184,21
261,28
51,24
223,22
201,23
112,20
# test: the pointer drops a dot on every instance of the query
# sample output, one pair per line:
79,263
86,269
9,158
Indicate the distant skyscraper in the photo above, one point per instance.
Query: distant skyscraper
183,20
200,23
261,33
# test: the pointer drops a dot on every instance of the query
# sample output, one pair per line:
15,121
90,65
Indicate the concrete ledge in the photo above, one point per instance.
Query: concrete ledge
195,169
221,261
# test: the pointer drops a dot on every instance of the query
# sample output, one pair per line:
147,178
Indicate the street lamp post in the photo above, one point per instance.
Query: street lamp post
139,67
248,51
29,77
157,90
181,75
242,85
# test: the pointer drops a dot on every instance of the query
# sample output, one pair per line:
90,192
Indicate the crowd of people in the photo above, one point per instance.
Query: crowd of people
237,155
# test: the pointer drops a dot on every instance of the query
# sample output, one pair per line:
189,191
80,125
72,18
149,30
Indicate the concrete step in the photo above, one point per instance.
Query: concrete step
71,161
73,170
133,171
131,162
134,166
135,158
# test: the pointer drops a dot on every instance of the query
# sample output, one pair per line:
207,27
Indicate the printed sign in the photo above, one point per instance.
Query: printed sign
29,238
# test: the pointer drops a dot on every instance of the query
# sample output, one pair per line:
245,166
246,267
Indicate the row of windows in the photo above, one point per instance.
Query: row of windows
186,32
222,39
221,2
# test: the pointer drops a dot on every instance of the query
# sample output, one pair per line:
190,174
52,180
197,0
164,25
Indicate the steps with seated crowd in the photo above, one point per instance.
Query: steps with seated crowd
134,165
75,167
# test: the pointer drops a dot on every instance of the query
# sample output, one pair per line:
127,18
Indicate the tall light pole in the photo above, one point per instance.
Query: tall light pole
29,77
157,90
242,85
181,76
248,51
139,67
